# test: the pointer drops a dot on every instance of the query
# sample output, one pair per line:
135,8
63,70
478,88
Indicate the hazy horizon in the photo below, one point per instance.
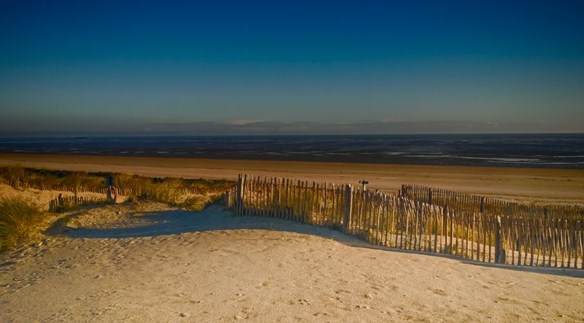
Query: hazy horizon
292,129
318,67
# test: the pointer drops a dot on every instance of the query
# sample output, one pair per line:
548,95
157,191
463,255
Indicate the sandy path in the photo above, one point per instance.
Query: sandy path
525,184
210,266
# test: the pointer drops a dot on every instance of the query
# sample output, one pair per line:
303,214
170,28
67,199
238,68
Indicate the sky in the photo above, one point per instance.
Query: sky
298,67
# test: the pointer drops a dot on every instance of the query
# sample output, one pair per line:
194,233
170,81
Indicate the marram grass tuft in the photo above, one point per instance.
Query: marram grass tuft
19,222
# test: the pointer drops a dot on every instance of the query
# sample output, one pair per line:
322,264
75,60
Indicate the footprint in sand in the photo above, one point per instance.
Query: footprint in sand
439,292
302,301
508,300
321,314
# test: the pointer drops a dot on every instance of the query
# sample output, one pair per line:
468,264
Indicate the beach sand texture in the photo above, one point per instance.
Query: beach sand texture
151,263
172,266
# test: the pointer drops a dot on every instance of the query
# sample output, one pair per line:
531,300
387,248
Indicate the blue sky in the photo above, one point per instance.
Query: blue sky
293,67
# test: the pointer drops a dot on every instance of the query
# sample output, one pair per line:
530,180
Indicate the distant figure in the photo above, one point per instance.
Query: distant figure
111,190
114,193
364,183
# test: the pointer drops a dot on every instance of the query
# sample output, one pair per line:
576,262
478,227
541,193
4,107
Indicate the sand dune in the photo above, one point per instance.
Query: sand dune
171,266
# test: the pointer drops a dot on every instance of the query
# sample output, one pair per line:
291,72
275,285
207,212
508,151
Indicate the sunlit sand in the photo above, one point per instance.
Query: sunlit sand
148,262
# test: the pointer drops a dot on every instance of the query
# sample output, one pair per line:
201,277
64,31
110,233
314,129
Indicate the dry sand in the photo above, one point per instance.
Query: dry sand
151,263
172,266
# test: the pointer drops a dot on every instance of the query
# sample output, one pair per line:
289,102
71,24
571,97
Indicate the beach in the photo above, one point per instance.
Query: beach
176,266
531,185
149,262
378,161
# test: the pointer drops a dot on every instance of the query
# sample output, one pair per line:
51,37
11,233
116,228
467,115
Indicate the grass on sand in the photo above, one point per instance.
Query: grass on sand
19,222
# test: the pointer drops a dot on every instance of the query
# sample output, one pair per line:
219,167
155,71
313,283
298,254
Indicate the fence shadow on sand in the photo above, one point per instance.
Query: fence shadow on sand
216,218
213,218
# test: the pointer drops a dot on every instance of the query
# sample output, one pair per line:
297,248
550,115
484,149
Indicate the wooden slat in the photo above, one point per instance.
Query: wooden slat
530,235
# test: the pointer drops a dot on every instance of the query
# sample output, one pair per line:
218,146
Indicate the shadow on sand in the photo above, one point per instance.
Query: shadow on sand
217,218
211,219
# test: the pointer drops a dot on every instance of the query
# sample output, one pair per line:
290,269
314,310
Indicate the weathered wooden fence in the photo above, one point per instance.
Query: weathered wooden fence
475,203
70,201
405,223
124,191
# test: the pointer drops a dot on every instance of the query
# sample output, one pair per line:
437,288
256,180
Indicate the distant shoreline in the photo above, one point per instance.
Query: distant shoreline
533,185
81,135
561,151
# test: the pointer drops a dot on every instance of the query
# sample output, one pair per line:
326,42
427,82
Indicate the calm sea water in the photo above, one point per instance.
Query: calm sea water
525,150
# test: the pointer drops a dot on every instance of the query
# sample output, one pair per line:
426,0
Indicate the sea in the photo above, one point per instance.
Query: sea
510,150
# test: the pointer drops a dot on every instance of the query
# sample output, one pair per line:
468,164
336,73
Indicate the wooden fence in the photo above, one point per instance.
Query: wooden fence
404,223
64,188
70,201
475,203
124,191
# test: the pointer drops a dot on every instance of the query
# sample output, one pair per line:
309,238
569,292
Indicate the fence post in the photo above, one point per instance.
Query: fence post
482,207
348,207
239,197
226,198
445,228
499,251
430,196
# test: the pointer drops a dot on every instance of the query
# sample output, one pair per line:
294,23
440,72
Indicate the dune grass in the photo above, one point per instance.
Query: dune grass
176,192
19,222
43,179
191,194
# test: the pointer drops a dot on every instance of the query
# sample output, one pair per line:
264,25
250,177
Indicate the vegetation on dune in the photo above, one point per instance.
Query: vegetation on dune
19,222
22,178
196,203
67,204
75,181
14,176
191,194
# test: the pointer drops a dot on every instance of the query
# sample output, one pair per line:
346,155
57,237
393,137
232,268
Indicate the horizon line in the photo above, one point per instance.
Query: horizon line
182,134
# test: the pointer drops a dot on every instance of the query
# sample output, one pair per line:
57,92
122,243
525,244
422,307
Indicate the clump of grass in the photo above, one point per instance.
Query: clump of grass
75,180
170,190
207,186
165,191
68,204
19,222
132,185
14,176
192,195
195,203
